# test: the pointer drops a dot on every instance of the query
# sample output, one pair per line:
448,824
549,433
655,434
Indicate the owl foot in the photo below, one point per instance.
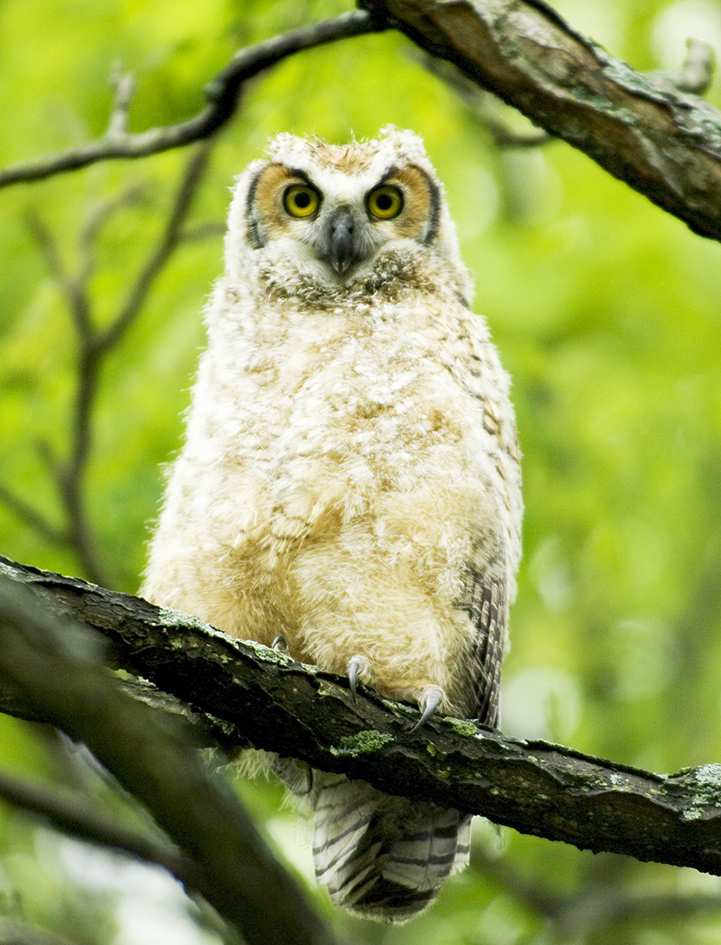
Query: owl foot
280,644
431,697
359,668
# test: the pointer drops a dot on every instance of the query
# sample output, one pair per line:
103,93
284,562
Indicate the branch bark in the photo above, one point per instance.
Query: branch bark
664,143
302,712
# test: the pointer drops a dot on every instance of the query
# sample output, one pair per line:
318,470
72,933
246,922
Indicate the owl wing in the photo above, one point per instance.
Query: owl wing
485,603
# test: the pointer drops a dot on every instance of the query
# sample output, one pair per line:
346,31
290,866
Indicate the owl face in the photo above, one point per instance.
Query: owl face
328,215
341,219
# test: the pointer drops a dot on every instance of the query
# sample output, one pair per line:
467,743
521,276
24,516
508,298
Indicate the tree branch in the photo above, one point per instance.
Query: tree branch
71,813
94,345
664,143
642,129
223,94
32,517
303,712
52,662
169,240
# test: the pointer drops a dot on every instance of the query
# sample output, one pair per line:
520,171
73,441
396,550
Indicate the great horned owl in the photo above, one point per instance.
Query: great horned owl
350,474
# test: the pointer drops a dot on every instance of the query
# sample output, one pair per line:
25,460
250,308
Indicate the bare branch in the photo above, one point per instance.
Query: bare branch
192,177
52,662
305,713
222,93
33,518
97,218
73,289
93,347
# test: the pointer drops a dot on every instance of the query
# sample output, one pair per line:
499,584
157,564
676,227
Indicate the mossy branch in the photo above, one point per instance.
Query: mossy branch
258,695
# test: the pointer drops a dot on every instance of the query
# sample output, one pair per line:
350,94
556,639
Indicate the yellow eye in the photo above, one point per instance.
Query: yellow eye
300,200
385,202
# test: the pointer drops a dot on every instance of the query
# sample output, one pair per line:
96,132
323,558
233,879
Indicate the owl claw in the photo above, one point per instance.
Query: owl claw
359,667
430,699
280,644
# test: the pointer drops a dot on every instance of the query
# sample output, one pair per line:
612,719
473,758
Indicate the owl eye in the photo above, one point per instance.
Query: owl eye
384,203
300,200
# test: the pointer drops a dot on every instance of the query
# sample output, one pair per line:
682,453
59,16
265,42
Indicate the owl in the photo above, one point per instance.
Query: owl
349,480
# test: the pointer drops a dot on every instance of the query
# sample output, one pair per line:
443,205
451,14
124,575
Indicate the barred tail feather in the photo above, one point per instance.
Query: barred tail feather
384,857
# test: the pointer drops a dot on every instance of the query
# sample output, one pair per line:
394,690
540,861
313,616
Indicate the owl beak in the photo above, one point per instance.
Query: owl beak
340,247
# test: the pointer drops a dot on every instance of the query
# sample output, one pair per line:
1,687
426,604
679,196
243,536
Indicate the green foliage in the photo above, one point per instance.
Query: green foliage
606,312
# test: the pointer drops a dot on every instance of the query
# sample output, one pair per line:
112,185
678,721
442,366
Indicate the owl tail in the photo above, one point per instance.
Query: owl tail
381,856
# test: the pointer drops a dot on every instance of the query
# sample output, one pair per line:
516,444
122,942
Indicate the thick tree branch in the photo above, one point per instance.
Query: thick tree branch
52,663
664,143
223,94
302,712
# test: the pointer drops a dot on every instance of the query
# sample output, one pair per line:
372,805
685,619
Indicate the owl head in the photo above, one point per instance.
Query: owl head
330,218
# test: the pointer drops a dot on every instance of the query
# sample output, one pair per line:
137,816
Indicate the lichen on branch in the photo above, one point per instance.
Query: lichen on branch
257,696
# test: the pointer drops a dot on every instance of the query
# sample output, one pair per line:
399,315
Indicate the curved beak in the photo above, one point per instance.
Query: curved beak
340,246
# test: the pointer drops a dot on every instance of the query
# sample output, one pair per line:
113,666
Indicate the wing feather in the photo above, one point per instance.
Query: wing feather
486,604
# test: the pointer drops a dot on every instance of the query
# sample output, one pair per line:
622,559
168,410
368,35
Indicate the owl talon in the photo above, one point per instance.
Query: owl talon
359,668
280,644
430,699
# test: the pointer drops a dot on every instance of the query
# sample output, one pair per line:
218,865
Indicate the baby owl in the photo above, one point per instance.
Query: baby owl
350,476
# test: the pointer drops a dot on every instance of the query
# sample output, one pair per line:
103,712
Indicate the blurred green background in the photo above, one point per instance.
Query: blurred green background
607,313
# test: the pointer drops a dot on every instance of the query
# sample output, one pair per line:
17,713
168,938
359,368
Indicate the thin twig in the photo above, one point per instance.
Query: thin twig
73,289
124,85
222,93
94,345
33,518
169,240
97,219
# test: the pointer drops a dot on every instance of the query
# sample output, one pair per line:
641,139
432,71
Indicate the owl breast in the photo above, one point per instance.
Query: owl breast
348,480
